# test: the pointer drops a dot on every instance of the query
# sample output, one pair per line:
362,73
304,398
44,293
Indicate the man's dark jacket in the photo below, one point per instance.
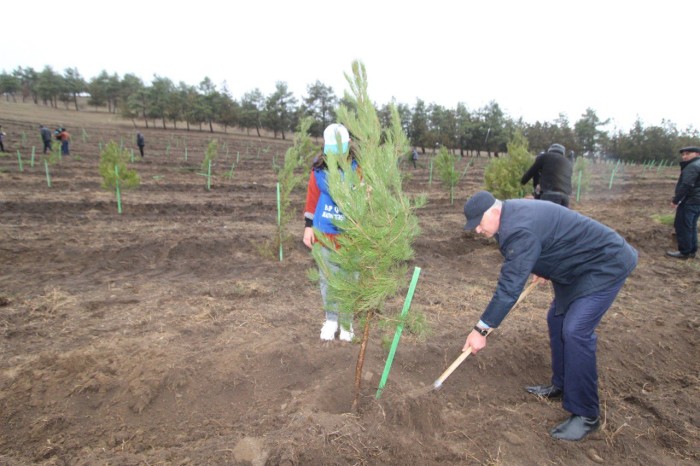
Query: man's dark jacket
45,133
579,255
688,185
556,173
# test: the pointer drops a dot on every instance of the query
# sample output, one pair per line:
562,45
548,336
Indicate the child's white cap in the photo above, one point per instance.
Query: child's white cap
330,139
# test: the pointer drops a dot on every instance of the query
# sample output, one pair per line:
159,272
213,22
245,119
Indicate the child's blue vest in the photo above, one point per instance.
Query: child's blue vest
326,209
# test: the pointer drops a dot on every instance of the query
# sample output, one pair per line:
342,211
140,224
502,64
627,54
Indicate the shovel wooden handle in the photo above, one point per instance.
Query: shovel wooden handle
453,366
463,356
524,294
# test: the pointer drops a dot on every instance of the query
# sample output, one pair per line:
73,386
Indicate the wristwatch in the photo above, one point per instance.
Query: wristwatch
482,331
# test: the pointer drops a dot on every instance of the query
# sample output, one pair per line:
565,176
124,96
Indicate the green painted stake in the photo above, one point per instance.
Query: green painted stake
19,160
48,177
121,143
465,170
578,189
612,175
209,176
33,152
119,196
238,156
397,334
279,219
230,172
100,144
660,165
430,178
167,150
85,136
185,153
24,139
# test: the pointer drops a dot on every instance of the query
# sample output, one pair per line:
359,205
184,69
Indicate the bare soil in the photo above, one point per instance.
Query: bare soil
172,333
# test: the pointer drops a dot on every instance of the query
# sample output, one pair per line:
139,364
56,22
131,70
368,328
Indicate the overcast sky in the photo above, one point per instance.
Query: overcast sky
535,58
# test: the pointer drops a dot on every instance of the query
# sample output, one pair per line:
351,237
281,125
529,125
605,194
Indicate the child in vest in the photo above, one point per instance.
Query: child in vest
319,213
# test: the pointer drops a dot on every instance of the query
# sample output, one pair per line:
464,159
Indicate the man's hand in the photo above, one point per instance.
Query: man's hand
476,341
539,280
309,237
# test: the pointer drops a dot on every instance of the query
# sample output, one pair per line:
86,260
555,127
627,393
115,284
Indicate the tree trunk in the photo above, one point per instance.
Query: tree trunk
75,101
361,360
211,127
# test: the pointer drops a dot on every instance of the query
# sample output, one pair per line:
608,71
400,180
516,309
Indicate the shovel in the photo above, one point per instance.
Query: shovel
438,383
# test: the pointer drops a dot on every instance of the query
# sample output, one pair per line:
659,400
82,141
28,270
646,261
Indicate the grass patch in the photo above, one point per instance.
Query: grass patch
664,219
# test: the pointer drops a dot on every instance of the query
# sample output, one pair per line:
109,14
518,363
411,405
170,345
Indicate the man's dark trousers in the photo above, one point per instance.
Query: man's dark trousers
556,197
686,225
573,340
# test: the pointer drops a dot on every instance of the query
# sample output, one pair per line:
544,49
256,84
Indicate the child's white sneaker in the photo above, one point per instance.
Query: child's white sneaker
328,330
346,335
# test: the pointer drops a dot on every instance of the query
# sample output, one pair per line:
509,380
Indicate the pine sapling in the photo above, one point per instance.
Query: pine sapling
502,175
209,156
447,171
114,170
378,221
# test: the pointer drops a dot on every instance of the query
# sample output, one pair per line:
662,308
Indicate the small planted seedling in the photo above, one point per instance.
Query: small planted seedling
55,155
229,174
114,171
209,156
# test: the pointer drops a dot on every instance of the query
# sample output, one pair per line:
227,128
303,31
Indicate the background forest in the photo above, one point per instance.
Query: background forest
206,107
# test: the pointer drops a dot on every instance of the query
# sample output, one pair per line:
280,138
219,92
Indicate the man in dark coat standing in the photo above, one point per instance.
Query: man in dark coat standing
140,141
686,201
45,137
552,171
587,263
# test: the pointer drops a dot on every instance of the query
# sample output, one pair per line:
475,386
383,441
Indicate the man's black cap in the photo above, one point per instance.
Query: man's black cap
475,207
690,149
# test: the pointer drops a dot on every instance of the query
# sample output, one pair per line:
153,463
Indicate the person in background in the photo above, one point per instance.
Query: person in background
555,175
64,137
45,134
686,201
140,141
319,213
587,263
414,157
2,140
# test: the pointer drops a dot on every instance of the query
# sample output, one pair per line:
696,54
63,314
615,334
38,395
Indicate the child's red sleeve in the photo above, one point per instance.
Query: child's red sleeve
312,195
